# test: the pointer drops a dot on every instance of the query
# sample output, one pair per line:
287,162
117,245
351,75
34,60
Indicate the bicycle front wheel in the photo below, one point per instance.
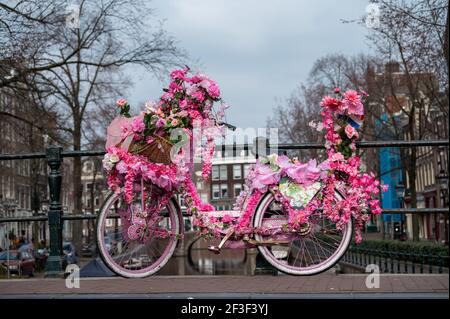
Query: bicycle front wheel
318,247
135,258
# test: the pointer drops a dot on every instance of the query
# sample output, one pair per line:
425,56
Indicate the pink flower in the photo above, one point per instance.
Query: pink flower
175,87
352,102
336,90
121,102
351,132
213,89
160,122
183,104
265,176
167,96
174,122
227,218
337,157
178,74
138,125
122,167
198,95
332,103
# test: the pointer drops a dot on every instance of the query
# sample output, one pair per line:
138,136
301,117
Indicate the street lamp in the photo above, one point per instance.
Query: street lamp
442,181
400,190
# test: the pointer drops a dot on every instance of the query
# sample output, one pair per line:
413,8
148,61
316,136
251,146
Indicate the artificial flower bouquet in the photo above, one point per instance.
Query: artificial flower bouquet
303,189
140,147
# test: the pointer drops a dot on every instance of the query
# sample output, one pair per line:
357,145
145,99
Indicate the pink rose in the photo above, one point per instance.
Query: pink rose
174,122
121,102
351,132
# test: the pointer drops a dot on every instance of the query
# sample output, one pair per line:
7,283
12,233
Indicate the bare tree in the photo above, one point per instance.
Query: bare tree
111,35
329,72
413,33
28,29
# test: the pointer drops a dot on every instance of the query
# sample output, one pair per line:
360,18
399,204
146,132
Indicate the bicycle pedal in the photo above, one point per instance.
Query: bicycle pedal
214,249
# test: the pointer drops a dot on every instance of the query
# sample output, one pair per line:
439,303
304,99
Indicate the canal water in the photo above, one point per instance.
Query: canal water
198,260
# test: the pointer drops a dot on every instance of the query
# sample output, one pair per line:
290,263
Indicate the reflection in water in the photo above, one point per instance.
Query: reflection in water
200,261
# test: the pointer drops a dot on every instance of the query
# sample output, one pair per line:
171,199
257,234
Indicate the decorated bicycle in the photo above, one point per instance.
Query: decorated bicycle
300,216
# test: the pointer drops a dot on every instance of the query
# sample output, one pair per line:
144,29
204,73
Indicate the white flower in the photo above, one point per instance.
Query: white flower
107,165
319,127
272,158
150,107
114,158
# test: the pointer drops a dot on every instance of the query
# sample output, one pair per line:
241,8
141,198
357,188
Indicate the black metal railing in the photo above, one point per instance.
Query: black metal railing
54,156
396,262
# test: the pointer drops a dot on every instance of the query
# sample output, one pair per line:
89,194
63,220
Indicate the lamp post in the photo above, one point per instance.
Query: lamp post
442,184
400,190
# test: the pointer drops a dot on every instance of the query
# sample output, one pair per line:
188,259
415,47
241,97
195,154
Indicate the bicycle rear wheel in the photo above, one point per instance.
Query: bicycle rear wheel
135,258
313,251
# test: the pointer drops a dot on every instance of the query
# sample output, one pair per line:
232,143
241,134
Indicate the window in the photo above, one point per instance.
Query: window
223,172
246,169
237,189
215,172
97,201
237,172
223,190
199,185
88,187
204,197
229,153
215,191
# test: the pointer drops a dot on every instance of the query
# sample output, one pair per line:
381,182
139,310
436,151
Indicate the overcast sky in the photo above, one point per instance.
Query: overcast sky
257,51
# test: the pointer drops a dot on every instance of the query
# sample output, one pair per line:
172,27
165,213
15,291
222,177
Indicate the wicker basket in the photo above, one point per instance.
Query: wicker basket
157,151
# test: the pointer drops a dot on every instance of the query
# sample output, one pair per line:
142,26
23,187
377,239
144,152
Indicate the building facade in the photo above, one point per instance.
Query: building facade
392,92
230,166
23,183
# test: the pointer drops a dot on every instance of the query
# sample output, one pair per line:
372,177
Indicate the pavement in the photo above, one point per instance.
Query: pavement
326,285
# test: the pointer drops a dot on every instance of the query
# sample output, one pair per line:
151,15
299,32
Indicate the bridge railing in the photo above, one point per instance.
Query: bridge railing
54,156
